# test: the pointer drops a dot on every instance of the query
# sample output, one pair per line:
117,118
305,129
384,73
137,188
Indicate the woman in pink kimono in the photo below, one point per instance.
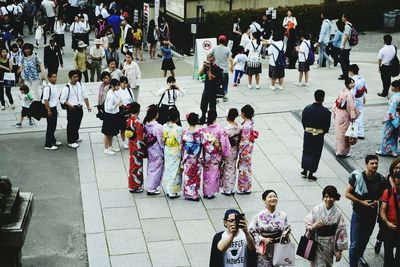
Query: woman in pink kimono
232,130
191,159
155,150
326,224
215,145
246,145
344,112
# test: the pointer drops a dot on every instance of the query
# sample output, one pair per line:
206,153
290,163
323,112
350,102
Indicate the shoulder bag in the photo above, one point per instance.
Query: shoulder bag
284,253
307,247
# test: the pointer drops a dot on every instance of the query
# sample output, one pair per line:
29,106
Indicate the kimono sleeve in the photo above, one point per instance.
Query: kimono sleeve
350,106
159,135
254,230
341,241
310,219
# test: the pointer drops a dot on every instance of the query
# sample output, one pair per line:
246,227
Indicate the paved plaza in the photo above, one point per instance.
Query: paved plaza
123,229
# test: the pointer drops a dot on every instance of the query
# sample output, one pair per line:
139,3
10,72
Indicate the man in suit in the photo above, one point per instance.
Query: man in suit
52,57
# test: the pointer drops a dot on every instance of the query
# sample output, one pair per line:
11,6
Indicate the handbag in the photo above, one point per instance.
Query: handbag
284,253
351,131
9,79
261,248
307,248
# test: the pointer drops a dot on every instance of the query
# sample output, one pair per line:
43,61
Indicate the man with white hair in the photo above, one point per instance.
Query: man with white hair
97,54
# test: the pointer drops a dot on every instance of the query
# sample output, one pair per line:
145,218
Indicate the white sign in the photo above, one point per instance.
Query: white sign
176,7
156,10
202,49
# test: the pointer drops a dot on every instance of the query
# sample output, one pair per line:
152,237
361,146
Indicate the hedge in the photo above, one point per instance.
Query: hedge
365,14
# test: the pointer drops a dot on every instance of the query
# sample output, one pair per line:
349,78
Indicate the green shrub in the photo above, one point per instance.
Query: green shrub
365,14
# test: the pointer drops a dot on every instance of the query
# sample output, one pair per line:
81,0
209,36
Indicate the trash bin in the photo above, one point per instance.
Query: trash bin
397,11
389,20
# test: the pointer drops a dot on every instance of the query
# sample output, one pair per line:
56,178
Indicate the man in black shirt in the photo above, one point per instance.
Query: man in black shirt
364,190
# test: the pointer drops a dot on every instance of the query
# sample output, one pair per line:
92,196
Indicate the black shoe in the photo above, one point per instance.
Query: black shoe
382,95
226,194
304,174
138,190
311,178
378,246
193,199
361,137
202,120
209,197
341,78
363,262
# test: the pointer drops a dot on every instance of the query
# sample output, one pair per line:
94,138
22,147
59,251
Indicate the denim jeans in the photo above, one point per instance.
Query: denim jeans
360,230
322,54
225,81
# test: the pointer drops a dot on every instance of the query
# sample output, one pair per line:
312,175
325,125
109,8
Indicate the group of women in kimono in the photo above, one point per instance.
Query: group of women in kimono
178,156
325,224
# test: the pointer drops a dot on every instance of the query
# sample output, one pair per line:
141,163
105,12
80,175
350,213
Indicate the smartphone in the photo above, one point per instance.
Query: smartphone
238,218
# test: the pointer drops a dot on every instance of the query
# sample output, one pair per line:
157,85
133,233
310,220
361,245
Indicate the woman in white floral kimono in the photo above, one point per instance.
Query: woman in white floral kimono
326,224
267,227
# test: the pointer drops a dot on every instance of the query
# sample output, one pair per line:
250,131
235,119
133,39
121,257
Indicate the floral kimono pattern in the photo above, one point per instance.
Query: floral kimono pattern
215,144
155,152
191,163
267,224
343,117
327,245
228,178
391,128
172,136
245,150
136,152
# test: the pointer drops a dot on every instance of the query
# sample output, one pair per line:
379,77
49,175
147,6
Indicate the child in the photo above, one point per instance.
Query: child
168,99
238,64
167,62
191,163
15,59
232,130
27,101
172,136
136,149
155,150
303,51
246,144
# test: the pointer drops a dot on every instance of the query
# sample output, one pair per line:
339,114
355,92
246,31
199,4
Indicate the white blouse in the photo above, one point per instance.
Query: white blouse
110,105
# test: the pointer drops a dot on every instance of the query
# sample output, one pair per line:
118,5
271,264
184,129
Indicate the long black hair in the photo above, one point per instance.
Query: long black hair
152,112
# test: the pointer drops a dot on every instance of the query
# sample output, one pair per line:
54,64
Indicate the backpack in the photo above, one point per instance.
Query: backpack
102,29
353,40
280,61
254,58
311,56
395,64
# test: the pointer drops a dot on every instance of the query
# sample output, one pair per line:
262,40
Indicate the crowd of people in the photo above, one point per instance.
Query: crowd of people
214,157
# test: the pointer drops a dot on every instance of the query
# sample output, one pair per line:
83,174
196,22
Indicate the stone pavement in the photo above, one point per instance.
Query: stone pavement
136,230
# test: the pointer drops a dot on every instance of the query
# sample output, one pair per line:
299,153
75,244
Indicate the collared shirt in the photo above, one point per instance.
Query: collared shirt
15,58
50,93
347,31
97,52
110,104
391,208
386,54
304,50
59,27
77,27
126,95
75,94
170,96
273,52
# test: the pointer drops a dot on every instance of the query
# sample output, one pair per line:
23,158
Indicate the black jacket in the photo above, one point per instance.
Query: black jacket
52,57
217,257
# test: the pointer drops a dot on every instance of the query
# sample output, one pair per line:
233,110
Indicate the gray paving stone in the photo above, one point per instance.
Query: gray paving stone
129,260
220,201
127,241
97,250
189,231
91,209
295,210
167,253
187,210
121,218
197,254
283,190
150,208
111,180
159,229
309,195
252,202
86,171
113,198
217,218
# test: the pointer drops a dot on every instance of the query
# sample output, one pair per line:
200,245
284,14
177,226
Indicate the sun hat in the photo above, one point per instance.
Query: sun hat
97,41
81,44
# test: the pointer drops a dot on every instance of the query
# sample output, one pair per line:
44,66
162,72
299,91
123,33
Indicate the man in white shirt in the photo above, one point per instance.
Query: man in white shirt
50,9
73,97
50,101
385,56
97,54
323,40
345,48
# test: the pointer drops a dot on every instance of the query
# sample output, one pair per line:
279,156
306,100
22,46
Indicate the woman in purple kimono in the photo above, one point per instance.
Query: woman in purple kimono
155,150
215,145
232,130
246,145
191,164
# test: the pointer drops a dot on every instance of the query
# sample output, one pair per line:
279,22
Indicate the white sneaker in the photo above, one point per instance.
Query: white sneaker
305,84
73,145
58,143
298,83
51,148
3,107
272,87
126,146
115,149
257,87
317,66
12,106
109,152
250,86
280,87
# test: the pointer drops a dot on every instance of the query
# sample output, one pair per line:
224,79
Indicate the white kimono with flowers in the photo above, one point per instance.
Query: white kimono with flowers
328,245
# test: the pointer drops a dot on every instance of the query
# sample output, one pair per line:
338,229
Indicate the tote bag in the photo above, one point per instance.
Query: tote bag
352,130
307,248
284,253
9,79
